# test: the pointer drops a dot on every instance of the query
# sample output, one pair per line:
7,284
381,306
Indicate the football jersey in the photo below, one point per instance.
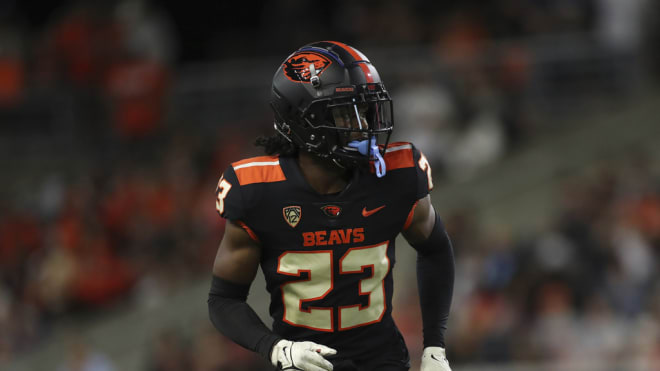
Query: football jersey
327,259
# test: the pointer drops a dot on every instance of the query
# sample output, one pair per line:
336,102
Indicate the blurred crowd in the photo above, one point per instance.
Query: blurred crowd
137,221
111,234
583,292
170,350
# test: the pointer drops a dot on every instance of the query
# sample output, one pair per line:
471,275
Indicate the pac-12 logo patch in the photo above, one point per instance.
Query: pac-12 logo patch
292,215
332,211
296,68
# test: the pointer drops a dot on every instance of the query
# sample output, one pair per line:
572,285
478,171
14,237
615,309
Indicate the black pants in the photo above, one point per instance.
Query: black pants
392,357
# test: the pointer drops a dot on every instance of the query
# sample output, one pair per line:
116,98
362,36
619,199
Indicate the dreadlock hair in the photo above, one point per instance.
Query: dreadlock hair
276,144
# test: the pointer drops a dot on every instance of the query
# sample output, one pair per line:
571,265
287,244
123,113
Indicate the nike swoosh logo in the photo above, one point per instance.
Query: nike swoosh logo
366,213
433,357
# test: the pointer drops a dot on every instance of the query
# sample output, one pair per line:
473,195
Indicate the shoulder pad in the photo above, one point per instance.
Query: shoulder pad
399,155
262,169
404,155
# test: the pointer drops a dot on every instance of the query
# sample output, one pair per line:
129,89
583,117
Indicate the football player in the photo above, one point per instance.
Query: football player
320,214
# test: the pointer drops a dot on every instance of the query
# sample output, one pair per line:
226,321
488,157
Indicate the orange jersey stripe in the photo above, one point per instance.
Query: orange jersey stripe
398,156
410,216
263,169
255,159
249,231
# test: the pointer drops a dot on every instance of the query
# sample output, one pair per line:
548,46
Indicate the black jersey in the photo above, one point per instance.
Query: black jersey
327,259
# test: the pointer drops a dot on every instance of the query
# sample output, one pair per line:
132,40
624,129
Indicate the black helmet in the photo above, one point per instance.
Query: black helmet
317,86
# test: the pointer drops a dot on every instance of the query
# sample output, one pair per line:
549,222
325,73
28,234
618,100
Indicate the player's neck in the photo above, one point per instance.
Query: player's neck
323,176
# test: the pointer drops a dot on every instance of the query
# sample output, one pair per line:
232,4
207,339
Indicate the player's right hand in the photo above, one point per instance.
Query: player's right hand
301,355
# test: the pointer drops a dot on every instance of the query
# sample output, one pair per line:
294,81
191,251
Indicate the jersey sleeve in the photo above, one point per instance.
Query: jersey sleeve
423,175
229,198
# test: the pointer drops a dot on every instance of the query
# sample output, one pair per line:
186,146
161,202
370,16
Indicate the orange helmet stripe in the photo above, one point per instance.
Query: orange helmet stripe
358,57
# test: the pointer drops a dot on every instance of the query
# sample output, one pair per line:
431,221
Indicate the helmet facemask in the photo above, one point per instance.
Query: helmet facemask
354,128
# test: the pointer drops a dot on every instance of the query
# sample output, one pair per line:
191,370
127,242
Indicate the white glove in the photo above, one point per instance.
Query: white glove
301,355
434,359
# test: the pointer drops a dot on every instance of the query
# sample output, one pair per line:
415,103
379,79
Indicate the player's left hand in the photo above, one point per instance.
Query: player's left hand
434,359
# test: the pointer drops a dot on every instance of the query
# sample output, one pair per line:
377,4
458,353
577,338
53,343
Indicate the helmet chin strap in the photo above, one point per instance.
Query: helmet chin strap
370,148
334,160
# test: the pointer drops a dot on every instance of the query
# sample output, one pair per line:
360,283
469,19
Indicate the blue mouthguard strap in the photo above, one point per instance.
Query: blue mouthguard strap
370,148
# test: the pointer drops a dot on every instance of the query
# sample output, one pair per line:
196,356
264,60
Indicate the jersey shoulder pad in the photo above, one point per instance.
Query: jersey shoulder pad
404,155
262,169
231,199
399,155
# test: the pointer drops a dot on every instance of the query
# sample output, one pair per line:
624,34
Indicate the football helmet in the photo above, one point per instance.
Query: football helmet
329,100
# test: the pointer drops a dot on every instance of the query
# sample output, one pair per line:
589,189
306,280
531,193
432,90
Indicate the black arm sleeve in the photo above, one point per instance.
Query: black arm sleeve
435,279
234,318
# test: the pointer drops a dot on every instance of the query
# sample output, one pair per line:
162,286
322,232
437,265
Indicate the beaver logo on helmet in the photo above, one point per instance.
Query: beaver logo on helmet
296,68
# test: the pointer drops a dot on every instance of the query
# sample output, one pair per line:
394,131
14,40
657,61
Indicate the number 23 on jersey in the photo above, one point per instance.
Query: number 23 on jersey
320,282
